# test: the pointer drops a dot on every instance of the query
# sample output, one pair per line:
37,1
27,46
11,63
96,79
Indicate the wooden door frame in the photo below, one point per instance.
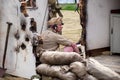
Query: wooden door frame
83,21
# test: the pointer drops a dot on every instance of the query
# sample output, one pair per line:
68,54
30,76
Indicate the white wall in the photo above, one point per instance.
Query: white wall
20,63
98,22
8,13
0,32
40,15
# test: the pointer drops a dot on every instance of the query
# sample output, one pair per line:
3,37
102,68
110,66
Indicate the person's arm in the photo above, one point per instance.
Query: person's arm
75,48
63,41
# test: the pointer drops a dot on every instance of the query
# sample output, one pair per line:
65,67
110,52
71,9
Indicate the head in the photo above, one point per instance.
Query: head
56,24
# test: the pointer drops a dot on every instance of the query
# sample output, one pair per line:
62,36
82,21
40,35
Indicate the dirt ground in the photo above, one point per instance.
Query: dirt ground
71,30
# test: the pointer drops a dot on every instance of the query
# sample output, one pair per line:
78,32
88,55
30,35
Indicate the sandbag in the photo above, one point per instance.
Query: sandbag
56,79
101,72
59,58
46,78
60,72
78,68
52,71
68,76
47,70
89,77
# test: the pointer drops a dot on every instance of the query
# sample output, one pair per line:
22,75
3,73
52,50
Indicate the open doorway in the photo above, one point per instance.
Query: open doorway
74,19
72,28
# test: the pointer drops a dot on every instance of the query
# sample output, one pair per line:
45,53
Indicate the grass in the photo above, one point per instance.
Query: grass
71,7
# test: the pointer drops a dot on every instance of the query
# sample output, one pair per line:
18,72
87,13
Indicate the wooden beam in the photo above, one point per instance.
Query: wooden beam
96,52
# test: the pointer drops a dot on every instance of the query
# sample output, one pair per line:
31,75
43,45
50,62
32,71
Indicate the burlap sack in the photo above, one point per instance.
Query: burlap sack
78,68
52,71
56,79
68,76
59,58
89,77
60,72
100,71
46,70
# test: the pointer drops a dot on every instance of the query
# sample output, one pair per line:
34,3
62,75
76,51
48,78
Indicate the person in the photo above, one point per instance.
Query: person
54,9
77,5
52,39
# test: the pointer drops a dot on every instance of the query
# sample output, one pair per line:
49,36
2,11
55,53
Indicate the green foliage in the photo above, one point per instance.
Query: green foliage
68,6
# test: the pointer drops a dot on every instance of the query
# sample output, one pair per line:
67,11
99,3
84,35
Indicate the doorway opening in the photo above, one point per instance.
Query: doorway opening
74,19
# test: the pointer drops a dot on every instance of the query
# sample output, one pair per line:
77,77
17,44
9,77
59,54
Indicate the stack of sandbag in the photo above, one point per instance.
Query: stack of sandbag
69,66
79,69
61,65
60,72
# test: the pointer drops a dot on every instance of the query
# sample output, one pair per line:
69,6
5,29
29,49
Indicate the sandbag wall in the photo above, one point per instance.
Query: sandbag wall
61,65
69,66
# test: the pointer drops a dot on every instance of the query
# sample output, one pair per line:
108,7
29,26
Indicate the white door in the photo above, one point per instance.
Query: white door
19,61
115,33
